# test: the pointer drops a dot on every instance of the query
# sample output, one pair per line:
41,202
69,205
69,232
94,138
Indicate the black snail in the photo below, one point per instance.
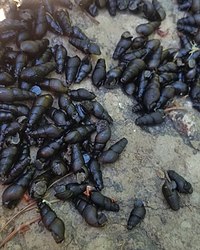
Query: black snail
69,128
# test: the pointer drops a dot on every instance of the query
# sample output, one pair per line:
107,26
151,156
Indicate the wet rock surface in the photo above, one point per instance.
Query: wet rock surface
139,170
